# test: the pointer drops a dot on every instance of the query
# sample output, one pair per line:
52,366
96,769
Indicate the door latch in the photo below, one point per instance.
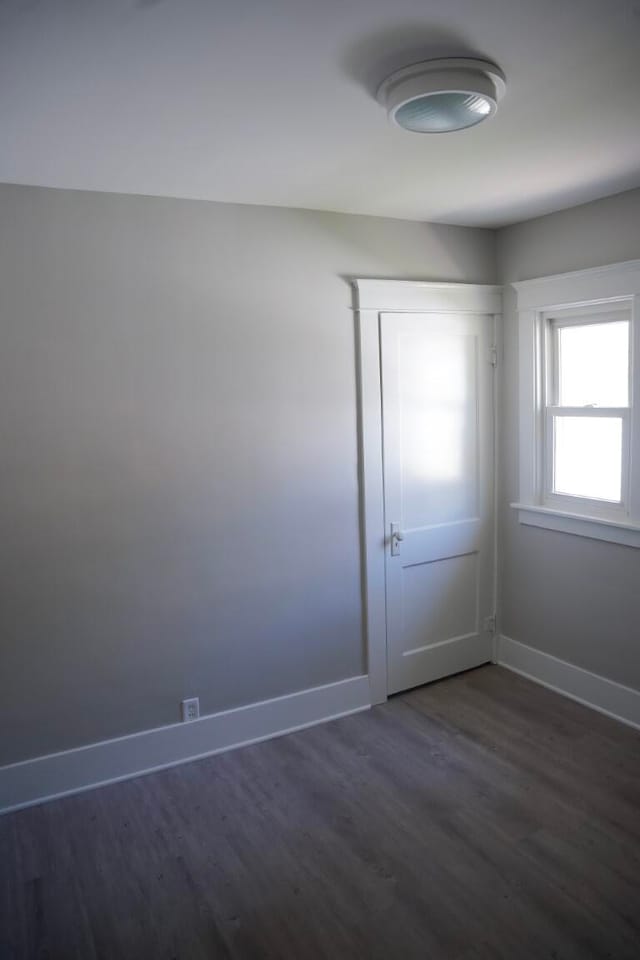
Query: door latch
397,536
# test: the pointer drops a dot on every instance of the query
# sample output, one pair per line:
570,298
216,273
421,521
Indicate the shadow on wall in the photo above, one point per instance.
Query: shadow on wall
435,252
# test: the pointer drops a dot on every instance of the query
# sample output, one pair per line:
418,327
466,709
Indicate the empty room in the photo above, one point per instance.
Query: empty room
319,480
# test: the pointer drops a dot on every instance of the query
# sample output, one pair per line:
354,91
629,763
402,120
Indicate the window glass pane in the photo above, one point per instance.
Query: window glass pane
588,457
593,364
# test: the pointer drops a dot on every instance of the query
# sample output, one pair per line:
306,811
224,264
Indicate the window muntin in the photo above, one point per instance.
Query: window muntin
587,412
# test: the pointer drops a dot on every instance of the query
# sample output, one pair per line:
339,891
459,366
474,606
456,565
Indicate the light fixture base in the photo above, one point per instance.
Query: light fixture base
443,95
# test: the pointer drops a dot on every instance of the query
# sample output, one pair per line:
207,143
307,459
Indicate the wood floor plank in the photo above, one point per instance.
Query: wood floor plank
479,818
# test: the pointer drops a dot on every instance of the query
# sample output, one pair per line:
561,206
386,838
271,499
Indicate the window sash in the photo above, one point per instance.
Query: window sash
550,344
551,348
597,507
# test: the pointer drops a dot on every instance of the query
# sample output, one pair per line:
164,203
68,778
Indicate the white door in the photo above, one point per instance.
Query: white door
438,455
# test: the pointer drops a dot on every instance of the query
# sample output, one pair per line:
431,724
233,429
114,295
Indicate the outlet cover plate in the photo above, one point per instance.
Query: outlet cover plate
190,709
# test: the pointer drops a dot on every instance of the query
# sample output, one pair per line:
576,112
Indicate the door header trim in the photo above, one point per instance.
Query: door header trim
399,295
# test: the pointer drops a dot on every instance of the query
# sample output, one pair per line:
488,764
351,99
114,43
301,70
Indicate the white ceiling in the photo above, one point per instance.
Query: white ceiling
271,102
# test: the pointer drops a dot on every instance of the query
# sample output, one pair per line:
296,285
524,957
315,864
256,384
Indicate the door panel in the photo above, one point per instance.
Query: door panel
437,425
440,601
438,485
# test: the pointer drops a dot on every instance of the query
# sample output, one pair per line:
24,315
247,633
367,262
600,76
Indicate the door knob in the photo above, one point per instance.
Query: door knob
397,536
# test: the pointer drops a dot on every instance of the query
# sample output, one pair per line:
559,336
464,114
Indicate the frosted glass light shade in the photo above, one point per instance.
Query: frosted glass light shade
442,112
439,96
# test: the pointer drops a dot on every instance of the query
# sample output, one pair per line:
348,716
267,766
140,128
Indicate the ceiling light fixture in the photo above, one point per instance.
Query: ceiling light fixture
439,96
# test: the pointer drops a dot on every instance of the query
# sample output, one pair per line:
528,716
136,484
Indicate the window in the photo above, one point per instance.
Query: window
580,440
587,413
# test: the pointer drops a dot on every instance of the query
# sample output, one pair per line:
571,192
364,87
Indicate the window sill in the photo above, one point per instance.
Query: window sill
597,528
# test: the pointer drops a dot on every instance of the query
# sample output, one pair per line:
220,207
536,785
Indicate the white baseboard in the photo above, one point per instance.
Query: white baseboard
599,693
58,774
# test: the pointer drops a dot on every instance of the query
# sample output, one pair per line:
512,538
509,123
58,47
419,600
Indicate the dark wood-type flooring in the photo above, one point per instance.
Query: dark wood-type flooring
479,817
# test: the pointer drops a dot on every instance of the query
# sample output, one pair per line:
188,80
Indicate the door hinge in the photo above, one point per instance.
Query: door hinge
493,356
490,624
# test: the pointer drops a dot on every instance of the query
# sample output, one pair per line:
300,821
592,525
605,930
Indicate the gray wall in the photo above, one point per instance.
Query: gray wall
179,503
576,598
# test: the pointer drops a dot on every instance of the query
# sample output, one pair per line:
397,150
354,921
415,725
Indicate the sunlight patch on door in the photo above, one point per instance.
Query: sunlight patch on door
438,427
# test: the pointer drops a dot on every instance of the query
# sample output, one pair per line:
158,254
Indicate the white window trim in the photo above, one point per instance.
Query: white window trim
570,293
550,326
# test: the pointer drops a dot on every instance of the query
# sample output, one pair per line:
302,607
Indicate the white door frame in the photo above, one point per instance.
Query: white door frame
372,298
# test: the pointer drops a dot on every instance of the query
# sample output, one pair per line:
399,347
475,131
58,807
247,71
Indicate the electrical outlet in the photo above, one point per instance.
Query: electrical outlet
190,709
490,624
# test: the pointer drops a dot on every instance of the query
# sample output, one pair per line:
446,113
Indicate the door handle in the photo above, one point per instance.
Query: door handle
397,536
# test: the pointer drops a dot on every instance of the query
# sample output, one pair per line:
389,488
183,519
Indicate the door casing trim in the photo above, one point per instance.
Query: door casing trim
371,299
